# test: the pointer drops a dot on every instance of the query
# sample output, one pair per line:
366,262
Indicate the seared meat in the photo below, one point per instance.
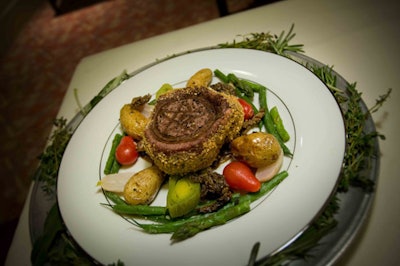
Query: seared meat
188,128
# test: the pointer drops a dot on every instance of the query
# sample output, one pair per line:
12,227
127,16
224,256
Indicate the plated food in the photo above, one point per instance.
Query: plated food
298,95
189,133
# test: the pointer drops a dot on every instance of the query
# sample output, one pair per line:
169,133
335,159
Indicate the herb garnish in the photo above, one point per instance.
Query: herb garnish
360,149
50,159
267,42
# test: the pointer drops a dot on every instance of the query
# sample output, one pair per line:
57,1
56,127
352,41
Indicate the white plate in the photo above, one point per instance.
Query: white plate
312,117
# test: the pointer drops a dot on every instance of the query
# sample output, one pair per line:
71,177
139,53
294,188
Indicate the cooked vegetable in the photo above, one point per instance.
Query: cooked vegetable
240,177
280,128
139,209
217,218
133,122
221,76
183,196
268,122
197,223
201,78
244,89
164,89
143,186
265,173
247,109
258,149
115,182
114,197
126,153
112,165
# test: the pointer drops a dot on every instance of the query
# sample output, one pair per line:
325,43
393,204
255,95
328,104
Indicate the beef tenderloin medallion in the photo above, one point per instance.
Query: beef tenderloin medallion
188,128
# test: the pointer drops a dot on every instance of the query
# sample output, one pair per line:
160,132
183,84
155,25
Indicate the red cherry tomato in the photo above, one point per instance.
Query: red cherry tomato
247,109
239,176
126,153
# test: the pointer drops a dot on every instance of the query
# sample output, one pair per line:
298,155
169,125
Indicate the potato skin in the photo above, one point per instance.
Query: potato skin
257,149
133,122
143,186
201,78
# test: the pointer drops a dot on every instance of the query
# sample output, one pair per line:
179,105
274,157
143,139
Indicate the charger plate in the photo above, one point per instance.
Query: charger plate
107,237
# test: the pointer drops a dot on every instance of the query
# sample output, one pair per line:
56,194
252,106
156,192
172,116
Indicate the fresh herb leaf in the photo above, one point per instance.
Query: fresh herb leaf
267,42
50,159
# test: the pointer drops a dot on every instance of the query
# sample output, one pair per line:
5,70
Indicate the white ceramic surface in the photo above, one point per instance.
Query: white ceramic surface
318,140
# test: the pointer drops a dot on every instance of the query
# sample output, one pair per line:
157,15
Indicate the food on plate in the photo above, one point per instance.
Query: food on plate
247,109
143,186
240,177
187,134
126,153
266,173
183,196
132,121
188,128
201,78
280,128
258,149
164,89
115,182
214,189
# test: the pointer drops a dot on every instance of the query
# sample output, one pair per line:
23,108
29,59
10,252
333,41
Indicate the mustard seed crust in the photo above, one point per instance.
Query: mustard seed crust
188,128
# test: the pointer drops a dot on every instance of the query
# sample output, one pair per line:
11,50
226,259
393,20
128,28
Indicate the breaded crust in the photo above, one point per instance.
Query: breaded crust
188,128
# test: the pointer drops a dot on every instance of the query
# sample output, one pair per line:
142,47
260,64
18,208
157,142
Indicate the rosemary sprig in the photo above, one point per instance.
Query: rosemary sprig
360,144
267,42
50,159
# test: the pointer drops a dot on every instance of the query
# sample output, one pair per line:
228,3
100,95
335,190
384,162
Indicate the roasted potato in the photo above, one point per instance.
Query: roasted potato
257,149
201,78
133,122
143,186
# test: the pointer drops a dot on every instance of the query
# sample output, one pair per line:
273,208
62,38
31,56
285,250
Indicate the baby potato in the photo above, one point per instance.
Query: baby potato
258,149
201,78
143,186
133,122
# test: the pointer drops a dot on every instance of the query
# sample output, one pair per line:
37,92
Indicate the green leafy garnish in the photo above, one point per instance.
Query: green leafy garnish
267,42
50,159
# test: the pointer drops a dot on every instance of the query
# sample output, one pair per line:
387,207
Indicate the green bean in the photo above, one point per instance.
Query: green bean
218,218
280,128
115,167
268,121
221,76
139,209
114,198
110,167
